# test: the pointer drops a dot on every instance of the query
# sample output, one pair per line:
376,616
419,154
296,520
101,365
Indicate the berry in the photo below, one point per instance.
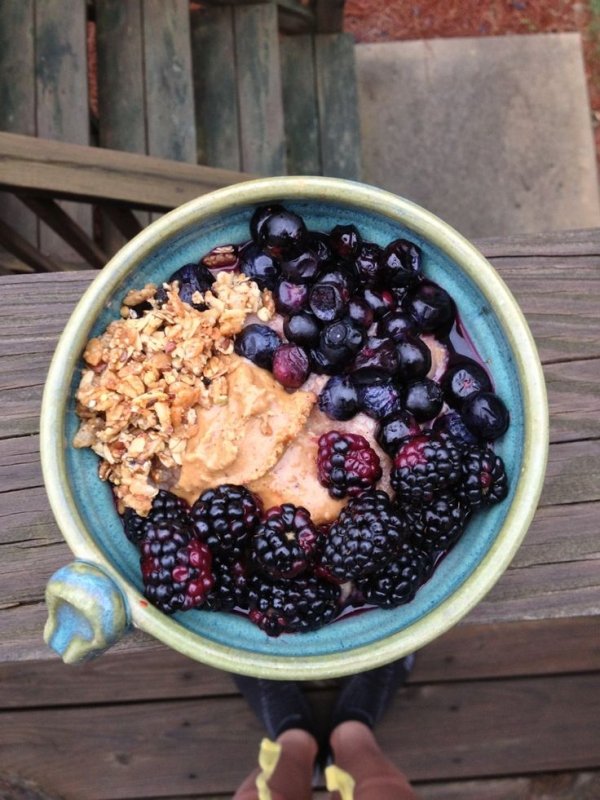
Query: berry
396,325
432,308
426,466
345,279
399,582
364,538
380,303
485,415
291,366
379,400
176,568
324,365
414,358
258,266
166,507
302,268
260,215
401,263
462,380
368,264
302,329
229,589
338,399
340,341
327,301
225,518
192,278
375,362
257,343
345,241
320,244
286,542
294,606
290,298
423,399
393,430
452,424
347,464
437,525
484,480
360,312
281,233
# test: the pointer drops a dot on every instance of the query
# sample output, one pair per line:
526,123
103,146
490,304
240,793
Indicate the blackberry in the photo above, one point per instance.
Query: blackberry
347,464
176,567
425,466
484,480
439,524
401,579
230,588
286,542
225,518
364,538
166,507
296,606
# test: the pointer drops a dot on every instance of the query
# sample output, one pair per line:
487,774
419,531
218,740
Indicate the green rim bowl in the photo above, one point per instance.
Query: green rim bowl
83,506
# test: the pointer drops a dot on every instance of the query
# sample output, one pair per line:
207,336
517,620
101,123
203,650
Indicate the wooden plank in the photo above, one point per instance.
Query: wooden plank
125,221
171,130
17,98
259,89
57,169
62,93
20,247
329,16
574,399
187,747
338,105
215,91
580,242
300,105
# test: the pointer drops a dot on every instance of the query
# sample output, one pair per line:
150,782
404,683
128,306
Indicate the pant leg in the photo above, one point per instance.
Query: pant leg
292,776
369,774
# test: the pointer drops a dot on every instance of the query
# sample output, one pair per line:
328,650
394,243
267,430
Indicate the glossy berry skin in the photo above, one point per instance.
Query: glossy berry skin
423,399
438,525
345,279
282,234
299,605
424,467
257,343
432,308
166,507
286,542
225,518
347,464
485,415
375,362
340,341
393,430
463,380
414,358
484,481
360,312
230,587
401,263
452,424
327,301
400,580
258,266
380,303
368,264
301,268
302,329
320,244
260,215
290,298
338,398
380,400
397,326
345,241
291,366
324,365
192,278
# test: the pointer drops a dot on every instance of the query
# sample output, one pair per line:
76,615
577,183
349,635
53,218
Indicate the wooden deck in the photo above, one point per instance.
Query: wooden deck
506,706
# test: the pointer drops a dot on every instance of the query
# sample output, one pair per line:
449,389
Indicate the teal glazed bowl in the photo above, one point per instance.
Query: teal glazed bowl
82,621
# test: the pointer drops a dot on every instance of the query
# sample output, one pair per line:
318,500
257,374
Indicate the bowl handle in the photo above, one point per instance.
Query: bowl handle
87,612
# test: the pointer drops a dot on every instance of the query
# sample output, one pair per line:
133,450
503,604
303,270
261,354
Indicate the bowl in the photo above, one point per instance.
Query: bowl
107,564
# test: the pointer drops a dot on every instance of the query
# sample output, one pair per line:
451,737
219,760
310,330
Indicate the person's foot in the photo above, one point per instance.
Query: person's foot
279,705
365,697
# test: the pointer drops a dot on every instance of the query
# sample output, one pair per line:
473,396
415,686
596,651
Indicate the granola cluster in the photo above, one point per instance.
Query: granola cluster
137,399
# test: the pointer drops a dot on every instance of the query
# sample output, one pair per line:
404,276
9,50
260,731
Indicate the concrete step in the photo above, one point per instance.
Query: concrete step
492,134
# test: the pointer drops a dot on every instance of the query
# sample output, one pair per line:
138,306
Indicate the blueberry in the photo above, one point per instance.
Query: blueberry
323,364
281,233
396,325
291,366
340,341
257,343
290,298
303,329
338,398
401,263
393,430
345,241
360,312
259,217
379,400
320,244
381,303
375,362
453,425
192,278
327,301
258,266
462,380
485,415
368,264
345,279
414,358
302,268
423,399
432,308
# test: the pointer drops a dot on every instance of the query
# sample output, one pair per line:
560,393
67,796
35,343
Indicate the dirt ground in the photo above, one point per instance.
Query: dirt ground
392,20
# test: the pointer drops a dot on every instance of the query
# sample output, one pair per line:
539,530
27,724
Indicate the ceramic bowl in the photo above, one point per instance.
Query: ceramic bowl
84,509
